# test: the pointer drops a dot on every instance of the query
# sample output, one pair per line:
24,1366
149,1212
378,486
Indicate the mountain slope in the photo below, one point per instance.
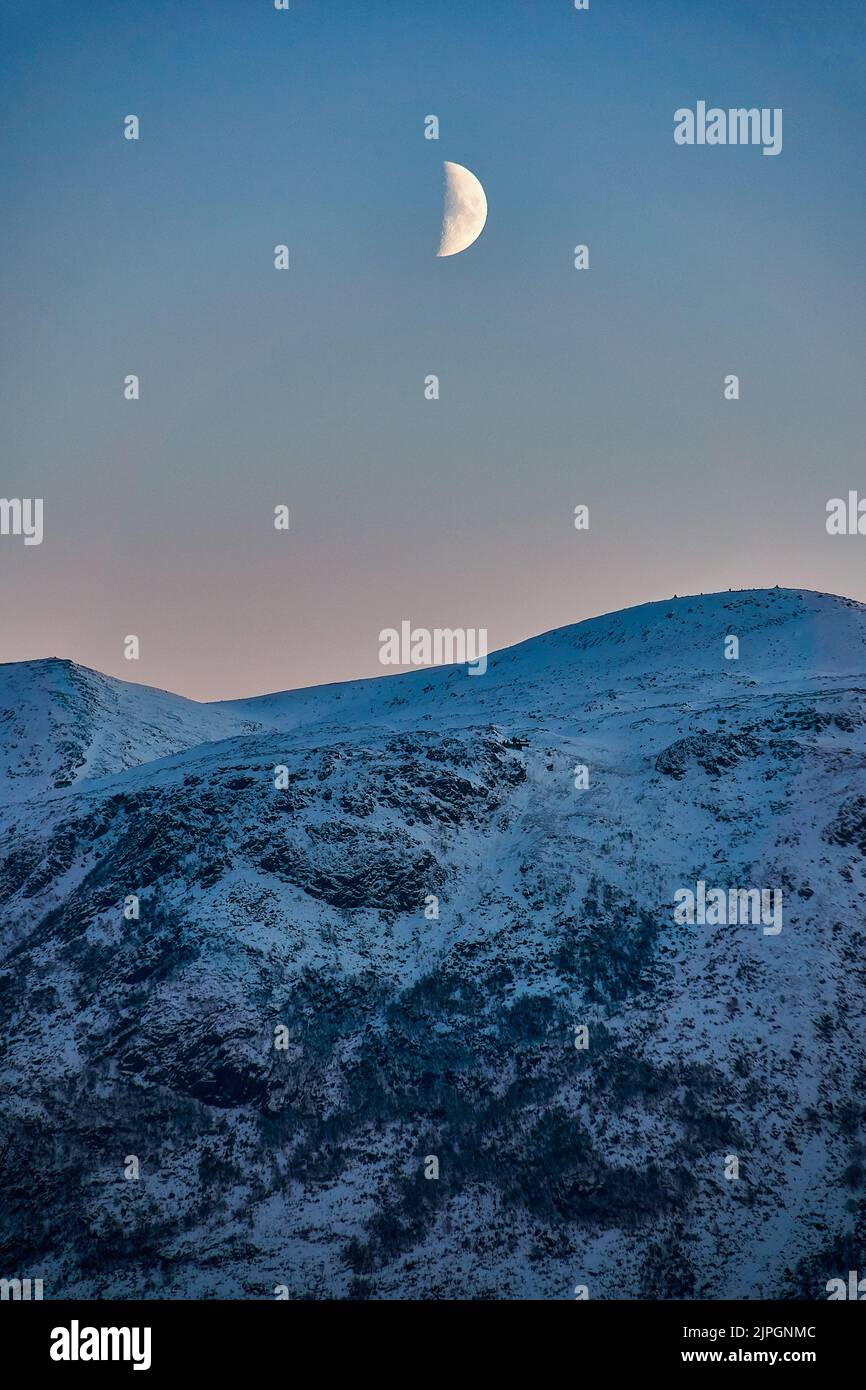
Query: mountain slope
62,724
287,1035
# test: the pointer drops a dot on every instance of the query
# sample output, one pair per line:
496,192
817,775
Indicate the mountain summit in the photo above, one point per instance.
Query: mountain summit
380,989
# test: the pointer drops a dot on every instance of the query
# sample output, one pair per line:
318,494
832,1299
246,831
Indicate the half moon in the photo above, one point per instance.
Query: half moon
465,210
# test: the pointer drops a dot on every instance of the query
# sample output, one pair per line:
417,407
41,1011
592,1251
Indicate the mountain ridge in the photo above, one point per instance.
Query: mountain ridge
147,710
401,884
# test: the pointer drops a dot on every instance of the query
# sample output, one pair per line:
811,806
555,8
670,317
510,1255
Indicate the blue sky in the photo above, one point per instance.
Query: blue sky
306,387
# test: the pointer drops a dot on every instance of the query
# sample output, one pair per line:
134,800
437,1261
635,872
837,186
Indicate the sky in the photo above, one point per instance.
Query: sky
305,387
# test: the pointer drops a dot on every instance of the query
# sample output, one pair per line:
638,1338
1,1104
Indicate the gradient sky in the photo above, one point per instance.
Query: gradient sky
306,387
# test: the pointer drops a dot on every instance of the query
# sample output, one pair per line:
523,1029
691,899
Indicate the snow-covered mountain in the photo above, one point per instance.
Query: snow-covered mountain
62,724
287,1036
